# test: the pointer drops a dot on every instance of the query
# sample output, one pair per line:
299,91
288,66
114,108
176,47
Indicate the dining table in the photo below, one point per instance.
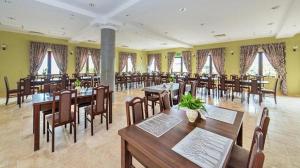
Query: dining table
157,152
43,102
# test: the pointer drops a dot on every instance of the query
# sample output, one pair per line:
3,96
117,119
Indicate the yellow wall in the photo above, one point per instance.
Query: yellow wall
14,61
232,62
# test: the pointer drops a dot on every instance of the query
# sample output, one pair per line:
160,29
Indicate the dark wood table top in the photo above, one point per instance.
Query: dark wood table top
159,150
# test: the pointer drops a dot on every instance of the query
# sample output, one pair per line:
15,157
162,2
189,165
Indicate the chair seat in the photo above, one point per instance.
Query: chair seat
49,118
267,91
88,110
238,157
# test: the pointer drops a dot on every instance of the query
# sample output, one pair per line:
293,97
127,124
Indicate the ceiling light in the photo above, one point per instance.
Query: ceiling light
212,32
294,25
164,44
91,41
127,15
166,32
271,23
220,35
91,5
124,46
275,7
181,10
11,18
35,32
202,24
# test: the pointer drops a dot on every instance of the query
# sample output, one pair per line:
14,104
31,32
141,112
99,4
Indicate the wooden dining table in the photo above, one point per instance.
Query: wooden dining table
43,102
155,152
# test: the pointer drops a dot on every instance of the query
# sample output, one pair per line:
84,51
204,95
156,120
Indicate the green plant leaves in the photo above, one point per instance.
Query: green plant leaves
188,101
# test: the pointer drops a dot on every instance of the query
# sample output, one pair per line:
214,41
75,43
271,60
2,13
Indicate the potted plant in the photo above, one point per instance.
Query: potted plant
171,80
192,106
77,85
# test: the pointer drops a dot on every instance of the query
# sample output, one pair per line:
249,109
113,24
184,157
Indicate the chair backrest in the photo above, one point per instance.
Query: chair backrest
254,87
165,100
100,95
222,82
194,88
210,82
86,84
157,80
276,85
256,156
64,106
52,87
264,122
233,77
26,86
181,90
236,85
65,81
136,109
6,83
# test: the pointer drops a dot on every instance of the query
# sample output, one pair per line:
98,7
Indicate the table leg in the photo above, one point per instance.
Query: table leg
110,107
36,126
239,140
126,158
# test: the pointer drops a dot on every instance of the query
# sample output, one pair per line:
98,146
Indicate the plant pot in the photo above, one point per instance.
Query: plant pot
192,115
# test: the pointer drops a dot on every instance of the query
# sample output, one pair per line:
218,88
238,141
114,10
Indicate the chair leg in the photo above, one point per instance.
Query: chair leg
101,121
85,118
152,104
106,120
53,135
70,128
75,132
78,114
275,98
44,122
248,98
47,132
92,126
7,97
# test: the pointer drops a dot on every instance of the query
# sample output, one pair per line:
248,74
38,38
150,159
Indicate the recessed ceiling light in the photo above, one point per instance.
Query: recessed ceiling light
181,10
127,15
294,25
212,32
11,18
62,28
164,44
125,46
7,1
220,35
202,24
91,5
166,32
275,7
91,41
271,23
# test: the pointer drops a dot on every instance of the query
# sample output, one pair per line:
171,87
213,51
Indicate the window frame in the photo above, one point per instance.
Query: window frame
87,63
260,69
210,64
49,63
181,65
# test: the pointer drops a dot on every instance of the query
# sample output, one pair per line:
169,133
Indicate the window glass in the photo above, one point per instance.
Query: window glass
91,65
129,64
176,67
152,66
268,69
54,67
206,67
44,67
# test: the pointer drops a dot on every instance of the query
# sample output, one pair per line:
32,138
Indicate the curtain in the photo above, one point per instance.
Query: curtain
37,54
187,60
133,59
171,56
218,58
96,58
158,62
248,54
275,53
60,54
201,59
123,57
81,56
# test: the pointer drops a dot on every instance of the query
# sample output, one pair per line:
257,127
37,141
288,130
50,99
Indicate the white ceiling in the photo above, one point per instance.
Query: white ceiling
154,24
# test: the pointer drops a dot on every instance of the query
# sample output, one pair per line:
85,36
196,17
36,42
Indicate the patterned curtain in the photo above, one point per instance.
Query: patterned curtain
96,58
275,53
81,56
37,54
171,56
201,59
218,58
157,62
248,54
187,60
123,57
133,59
60,54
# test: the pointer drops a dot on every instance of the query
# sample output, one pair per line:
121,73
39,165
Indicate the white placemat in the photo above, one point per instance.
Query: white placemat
159,124
227,116
204,148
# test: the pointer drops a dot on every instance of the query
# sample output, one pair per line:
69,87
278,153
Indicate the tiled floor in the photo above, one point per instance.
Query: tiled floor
103,149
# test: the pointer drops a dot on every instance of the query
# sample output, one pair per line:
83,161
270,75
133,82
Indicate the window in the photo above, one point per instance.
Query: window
129,66
49,65
178,65
261,66
88,66
153,67
209,67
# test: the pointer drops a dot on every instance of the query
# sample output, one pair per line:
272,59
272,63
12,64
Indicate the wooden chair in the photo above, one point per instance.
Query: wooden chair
99,106
271,92
242,158
210,85
264,122
181,91
26,88
223,87
165,101
136,109
255,90
10,93
194,88
236,88
49,88
64,116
